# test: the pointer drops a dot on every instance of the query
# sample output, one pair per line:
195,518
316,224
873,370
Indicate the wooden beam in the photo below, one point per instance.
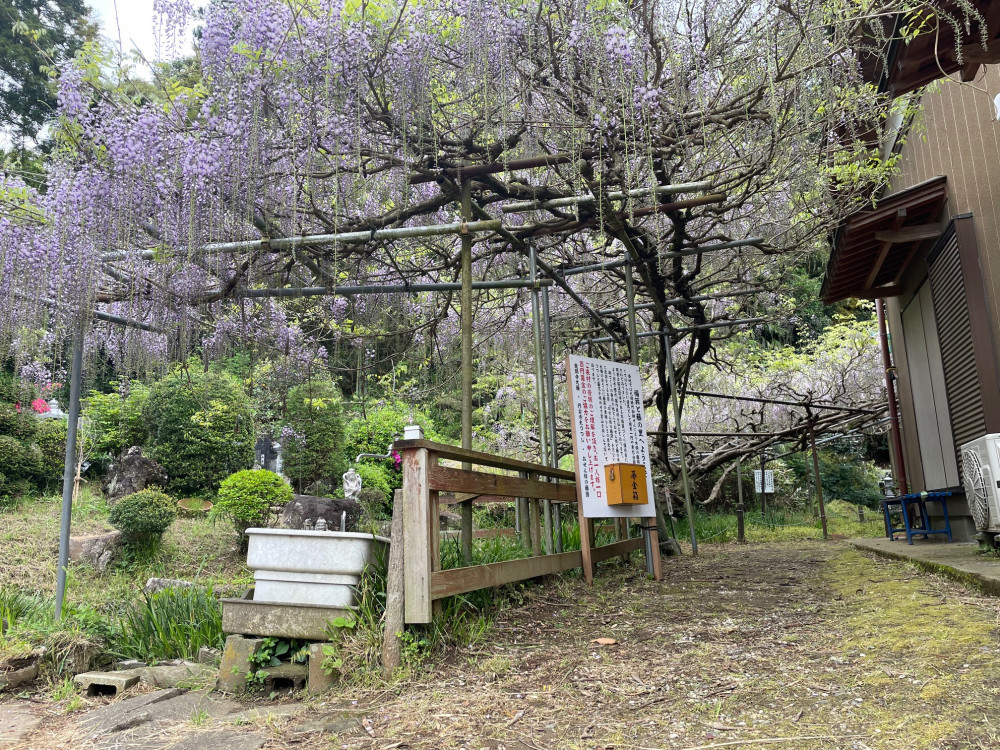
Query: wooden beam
883,252
417,560
913,233
480,483
889,290
607,551
461,580
454,453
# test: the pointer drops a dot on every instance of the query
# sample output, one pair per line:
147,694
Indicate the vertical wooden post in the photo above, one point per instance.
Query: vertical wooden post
586,559
740,529
536,526
819,484
418,536
763,486
391,646
655,564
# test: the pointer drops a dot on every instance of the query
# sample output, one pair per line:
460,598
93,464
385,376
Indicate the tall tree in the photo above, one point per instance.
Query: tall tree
35,35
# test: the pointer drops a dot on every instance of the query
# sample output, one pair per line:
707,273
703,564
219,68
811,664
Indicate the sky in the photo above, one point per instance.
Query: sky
134,20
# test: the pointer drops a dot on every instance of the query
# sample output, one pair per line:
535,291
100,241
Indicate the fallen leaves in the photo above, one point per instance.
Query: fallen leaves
604,641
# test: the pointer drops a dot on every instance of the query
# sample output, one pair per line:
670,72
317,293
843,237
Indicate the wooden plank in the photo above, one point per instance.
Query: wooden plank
454,453
607,551
477,482
536,526
913,233
461,580
586,560
417,530
452,498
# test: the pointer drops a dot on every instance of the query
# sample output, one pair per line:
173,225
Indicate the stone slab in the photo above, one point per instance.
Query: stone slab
192,704
220,740
125,714
958,560
305,622
269,713
185,675
96,683
17,721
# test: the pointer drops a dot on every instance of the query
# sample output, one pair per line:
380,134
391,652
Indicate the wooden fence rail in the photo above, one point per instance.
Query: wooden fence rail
424,479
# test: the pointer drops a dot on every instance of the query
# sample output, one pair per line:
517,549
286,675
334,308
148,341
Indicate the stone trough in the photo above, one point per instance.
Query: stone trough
303,581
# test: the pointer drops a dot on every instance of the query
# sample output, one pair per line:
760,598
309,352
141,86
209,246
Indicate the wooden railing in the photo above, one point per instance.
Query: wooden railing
424,479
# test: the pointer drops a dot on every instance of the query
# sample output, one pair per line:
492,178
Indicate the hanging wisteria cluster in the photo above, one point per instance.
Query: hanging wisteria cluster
299,119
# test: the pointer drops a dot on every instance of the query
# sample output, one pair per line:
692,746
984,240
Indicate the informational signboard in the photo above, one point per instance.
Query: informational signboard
608,428
768,482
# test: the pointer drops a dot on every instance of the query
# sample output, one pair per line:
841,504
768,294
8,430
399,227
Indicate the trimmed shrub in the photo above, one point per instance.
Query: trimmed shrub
143,516
379,429
313,437
247,497
52,447
200,429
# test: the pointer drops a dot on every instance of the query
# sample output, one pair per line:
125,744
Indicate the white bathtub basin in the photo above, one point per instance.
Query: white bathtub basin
309,567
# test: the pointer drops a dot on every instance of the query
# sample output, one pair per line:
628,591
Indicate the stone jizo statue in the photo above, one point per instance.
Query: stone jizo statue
352,484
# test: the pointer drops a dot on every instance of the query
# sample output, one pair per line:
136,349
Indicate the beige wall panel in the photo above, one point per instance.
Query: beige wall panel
957,135
907,416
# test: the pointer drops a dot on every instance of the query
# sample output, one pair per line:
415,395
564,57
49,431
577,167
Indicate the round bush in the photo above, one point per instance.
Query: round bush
378,477
248,496
200,428
143,515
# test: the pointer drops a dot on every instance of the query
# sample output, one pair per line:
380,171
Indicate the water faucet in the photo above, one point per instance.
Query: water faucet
388,454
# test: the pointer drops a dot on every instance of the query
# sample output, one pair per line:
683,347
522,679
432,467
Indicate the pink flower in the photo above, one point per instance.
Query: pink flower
18,406
40,405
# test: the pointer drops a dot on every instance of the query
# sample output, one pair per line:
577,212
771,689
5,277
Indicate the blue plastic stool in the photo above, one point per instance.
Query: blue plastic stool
914,506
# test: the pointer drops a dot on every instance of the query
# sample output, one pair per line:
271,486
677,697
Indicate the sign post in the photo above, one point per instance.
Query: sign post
610,451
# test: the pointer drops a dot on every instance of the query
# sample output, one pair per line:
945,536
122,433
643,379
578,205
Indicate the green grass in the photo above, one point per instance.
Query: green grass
102,607
170,624
781,525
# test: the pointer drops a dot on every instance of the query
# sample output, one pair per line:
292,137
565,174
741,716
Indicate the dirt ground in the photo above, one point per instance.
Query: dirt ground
798,645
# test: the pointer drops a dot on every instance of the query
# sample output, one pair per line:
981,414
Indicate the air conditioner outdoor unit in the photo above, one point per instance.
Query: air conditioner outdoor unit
981,477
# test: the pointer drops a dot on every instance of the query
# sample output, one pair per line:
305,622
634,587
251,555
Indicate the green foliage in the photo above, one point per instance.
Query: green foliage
379,477
314,436
380,426
200,428
170,624
143,516
116,421
247,497
843,476
33,37
51,443
374,508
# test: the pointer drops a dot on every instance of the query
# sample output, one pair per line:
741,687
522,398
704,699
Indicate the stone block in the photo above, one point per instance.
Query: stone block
287,676
180,675
234,667
14,678
97,550
320,681
106,683
155,585
209,655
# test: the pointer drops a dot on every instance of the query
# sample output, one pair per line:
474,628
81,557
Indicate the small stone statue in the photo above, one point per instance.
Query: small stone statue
352,484
321,525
